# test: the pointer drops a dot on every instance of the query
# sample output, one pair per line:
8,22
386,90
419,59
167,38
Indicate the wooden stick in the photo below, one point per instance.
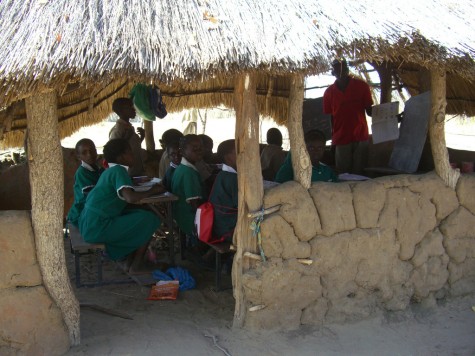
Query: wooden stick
252,256
267,211
305,261
106,310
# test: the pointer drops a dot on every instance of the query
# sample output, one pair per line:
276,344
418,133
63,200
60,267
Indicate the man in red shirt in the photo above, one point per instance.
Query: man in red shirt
347,101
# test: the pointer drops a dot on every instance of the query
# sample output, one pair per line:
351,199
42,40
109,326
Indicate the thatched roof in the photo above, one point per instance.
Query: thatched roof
94,51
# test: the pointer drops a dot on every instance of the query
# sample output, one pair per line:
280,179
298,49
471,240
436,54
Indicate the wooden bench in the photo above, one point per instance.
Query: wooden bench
220,249
79,248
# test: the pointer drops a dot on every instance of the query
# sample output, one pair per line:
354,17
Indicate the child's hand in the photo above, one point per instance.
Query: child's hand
157,189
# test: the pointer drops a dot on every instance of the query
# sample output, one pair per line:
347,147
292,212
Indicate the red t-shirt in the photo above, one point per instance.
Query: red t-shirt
348,111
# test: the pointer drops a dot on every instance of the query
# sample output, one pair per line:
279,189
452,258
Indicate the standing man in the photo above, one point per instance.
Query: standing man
124,108
347,101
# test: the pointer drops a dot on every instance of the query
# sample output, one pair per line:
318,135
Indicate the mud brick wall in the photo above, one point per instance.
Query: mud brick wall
375,245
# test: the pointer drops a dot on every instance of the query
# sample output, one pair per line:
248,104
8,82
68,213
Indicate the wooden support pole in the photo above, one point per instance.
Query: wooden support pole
149,138
300,159
386,79
45,159
251,191
436,129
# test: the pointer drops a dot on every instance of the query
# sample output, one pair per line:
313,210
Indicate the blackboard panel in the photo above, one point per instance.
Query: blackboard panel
412,134
314,118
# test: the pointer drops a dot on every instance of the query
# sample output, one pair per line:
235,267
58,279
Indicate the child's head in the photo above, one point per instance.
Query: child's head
170,136
191,148
174,154
227,153
118,151
124,108
315,142
274,137
207,146
86,151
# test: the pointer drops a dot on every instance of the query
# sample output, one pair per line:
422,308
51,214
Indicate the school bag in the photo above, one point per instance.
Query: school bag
204,219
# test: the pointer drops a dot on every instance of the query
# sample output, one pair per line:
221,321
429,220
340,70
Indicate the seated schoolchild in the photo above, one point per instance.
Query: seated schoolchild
106,217
187,185
169,137
173,152
85,178
224,194
315,142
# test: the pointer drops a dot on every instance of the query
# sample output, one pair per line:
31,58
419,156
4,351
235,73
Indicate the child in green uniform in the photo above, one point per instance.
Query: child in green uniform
187,185
85,178
106,217
174,154
224,194
315,142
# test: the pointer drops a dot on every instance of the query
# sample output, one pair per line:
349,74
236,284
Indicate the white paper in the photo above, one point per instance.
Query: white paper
384,122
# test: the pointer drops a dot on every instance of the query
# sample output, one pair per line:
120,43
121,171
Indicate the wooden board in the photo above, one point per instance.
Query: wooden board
407,149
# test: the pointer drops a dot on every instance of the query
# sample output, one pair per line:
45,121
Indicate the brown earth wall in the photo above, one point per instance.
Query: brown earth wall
375,245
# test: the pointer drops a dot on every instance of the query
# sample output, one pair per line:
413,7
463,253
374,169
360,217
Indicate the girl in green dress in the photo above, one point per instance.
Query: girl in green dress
107,219
85,178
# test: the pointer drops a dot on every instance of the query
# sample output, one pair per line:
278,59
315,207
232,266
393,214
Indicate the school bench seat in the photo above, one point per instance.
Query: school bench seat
220,249
79,248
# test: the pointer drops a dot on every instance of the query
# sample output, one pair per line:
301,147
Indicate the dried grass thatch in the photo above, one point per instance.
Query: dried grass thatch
193,48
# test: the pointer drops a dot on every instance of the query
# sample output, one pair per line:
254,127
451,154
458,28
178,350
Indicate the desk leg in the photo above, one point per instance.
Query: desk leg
171,236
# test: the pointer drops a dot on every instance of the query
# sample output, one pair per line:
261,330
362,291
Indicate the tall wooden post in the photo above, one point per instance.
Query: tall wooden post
300,159
45,159
250,183
386,80
436,129
149,139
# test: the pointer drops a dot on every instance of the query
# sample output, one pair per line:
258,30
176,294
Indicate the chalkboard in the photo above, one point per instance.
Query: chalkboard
314,118
412,134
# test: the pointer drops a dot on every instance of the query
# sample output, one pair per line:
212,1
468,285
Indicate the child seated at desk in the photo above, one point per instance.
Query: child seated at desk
315,142
187,185
224,194
85,178
106,217
173,152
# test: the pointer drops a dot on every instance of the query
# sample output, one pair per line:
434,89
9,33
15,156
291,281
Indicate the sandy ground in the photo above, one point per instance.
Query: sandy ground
199,322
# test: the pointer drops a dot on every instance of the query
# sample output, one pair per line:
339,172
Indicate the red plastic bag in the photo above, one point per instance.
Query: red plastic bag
204,224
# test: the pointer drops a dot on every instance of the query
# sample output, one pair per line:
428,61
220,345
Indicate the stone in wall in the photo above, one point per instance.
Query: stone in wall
465,191
411,215
30,321
433,189
334,204
360,270
459,242
297,208
368,199
286,244
17,253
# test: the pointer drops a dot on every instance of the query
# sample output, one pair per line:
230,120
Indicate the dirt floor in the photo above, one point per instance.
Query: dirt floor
199,322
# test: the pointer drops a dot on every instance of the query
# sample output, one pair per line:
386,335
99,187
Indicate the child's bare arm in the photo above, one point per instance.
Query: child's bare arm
131,196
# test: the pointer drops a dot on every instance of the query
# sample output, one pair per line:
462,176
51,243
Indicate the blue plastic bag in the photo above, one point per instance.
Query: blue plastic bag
180,274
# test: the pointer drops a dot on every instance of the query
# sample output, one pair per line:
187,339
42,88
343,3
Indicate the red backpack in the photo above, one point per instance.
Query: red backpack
204,219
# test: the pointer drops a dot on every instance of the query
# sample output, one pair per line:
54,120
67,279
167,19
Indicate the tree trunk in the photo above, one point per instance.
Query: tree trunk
436,129
45,161
386,79
249,182
300,159
149,139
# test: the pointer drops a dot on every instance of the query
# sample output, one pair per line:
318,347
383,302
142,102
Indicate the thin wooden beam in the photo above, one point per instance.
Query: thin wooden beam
437,129
250,184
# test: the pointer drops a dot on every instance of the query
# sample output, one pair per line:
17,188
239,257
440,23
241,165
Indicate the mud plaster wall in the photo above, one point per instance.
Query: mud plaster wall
375,245
30,322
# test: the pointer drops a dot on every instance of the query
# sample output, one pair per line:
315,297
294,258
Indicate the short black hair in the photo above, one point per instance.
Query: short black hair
314,135
185,140
170,136
119,103
114,148
207,141
274,136
82,142
174,145
225,148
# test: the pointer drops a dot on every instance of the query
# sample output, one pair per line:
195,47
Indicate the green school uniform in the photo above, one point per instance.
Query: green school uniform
322,173
224,197
85,178
106,218
186,184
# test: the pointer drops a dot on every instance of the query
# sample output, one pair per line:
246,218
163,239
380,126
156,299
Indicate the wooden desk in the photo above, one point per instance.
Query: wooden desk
167,199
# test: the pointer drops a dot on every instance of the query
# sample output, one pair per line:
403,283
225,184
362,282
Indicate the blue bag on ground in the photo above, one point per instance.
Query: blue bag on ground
180,274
